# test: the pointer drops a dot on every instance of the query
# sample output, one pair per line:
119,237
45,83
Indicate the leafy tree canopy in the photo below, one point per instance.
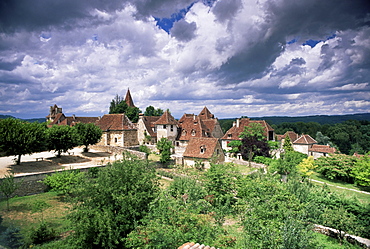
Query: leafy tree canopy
61,138
151,111
21,138
88,134
164,146
253,130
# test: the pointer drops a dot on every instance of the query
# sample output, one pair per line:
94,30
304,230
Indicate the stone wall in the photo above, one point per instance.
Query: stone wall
118,150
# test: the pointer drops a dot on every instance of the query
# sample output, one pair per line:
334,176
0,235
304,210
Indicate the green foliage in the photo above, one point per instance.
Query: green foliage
170,224
119,105
41,234
64,181
110,206
164,146
361,171
20,138
287,163
253,130
61,138
151,111
306,167
11,238
338,167
8,186
235,146
287,146
88,134
40,206
143,148
263,160
187,189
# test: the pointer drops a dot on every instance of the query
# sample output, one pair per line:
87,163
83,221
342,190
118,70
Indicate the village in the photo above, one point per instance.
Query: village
195,138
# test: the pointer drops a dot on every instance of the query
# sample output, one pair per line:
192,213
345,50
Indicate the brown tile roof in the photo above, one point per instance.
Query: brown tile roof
192,126
192,245
305,139
234,132
206,114
116,122
322,148
149,124
61,119
292,135
201,147
128,99
166,119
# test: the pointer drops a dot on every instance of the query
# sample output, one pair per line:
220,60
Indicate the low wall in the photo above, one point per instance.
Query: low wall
118,150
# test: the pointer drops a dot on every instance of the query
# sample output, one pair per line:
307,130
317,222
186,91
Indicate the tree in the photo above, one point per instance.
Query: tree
88,134
287,146
151,111
119,105
253,142
164,146
287,163
20,138
361,171
107,208
8,186
305,168
235,146
61,138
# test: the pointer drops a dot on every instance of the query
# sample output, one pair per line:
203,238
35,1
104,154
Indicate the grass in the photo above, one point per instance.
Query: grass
363,198
21,212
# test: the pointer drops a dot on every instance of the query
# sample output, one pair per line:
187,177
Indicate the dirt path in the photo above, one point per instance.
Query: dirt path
47,161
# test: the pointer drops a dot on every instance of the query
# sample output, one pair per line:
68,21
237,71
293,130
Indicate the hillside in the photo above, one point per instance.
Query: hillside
31,120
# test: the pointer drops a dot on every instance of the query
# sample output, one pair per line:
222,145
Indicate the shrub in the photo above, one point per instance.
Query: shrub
336,167
11,238
41,234
144,148
64,181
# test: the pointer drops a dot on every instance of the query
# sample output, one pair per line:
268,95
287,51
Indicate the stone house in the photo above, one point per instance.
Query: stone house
146,128
57,117
118,130
202,125
303,143
166,126
318,150
203,149
238,127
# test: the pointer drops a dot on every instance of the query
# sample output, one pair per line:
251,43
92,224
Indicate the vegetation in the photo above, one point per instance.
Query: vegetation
151,111
61,138
8,186
119,105
20,138
88,134
164,146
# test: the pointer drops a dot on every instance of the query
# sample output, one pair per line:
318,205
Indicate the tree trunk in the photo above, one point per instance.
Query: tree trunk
19,159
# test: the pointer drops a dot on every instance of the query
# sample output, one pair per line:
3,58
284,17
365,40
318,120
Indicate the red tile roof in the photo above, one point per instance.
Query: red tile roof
61,119
292,135
234,132
305,139
206,114
322,148
166,119
116,122
192,126
201,147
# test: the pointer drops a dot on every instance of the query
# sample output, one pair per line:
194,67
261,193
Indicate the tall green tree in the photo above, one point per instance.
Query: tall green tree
119,105
253,142
164,146
110,206
361,171
151,111
89,134
287,146
61,138
20,138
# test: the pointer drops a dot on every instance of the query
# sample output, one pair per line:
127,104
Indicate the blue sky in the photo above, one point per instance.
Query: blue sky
237,57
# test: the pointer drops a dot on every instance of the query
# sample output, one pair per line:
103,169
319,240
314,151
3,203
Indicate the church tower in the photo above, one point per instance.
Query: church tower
128,99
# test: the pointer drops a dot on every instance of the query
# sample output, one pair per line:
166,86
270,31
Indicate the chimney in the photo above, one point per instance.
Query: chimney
237,122
73,116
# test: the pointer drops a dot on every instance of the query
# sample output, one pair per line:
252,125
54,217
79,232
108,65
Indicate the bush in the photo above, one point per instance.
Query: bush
144,148
11,238
337,167
263,160
41,234
64,181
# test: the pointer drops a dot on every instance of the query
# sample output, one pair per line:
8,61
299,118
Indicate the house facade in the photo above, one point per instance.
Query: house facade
146,129
118,130
57,117
166,126
203,150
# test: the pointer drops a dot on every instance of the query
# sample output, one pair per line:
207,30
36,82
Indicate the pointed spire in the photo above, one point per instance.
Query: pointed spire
128,99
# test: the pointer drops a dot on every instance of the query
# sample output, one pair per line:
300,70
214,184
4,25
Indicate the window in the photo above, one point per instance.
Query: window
115,140
202,149
229,135
184,132
164,126
171,127
193,132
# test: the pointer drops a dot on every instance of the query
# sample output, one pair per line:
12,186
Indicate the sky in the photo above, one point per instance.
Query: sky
237,57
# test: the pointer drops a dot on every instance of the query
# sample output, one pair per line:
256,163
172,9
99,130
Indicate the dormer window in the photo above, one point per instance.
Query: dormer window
229,135
202,149
193,132
184,132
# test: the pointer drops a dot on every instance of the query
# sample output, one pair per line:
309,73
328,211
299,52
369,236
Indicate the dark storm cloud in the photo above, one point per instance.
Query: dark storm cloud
226,9
10,65
305,19
184,31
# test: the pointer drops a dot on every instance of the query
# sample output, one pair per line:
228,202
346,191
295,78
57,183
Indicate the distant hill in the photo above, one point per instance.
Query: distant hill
31,120
321,119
